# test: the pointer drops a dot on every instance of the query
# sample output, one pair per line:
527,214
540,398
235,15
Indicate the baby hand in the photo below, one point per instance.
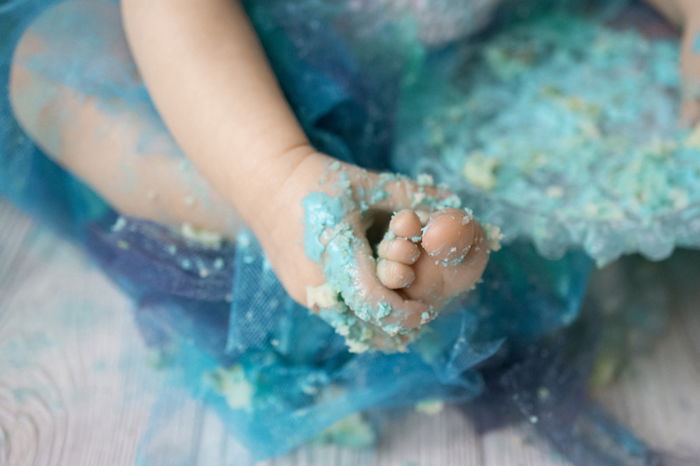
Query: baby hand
690,66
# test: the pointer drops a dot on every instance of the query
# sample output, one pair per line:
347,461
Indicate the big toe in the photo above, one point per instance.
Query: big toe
449,236
455,257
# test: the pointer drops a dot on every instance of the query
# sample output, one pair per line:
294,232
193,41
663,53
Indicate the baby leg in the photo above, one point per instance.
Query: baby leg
76,91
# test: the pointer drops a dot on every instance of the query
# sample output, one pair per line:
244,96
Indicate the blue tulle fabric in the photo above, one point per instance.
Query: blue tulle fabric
503,342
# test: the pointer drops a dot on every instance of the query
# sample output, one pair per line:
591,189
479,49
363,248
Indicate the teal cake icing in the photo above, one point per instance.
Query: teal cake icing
563,131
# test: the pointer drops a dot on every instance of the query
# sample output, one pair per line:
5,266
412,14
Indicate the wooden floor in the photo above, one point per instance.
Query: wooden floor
77,385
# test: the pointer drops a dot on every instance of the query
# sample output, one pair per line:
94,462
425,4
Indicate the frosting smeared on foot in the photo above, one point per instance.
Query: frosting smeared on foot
431,251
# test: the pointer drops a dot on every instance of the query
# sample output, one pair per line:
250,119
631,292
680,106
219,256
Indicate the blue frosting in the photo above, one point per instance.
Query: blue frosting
548,137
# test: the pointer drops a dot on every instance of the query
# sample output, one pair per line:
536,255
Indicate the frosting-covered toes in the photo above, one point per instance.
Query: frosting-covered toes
431,257
398,251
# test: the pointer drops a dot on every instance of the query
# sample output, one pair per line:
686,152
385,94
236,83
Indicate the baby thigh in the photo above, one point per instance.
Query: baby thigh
77,93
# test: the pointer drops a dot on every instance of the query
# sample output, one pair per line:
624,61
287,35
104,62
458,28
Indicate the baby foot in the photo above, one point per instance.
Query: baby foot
432,257
319,241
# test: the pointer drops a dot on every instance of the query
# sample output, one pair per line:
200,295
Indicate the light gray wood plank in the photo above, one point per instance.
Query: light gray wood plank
14,230
62,381
448,437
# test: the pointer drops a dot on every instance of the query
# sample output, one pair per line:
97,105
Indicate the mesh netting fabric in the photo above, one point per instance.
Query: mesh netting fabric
278,375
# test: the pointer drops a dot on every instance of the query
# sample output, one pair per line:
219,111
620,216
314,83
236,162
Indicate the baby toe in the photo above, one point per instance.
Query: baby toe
399,250
405,224
449,235
394,275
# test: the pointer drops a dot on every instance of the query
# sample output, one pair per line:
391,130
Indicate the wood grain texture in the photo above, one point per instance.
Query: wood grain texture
76,388
660,396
